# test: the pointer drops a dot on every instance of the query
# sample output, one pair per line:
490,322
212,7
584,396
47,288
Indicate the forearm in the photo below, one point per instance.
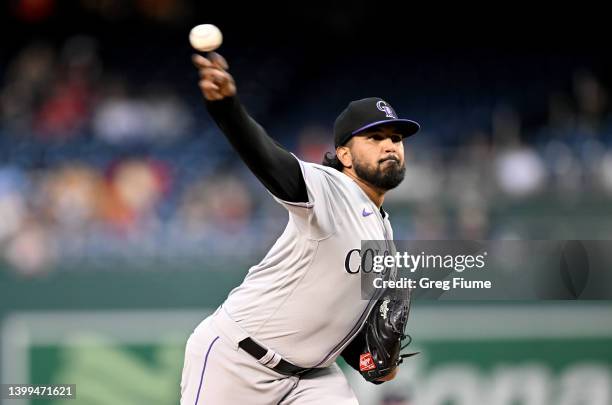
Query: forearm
277,169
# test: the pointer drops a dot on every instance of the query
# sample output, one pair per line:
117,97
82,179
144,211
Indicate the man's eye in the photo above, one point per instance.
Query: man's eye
376,137
396,138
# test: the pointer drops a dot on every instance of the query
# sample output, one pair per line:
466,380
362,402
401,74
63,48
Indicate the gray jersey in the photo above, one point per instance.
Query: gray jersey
300,300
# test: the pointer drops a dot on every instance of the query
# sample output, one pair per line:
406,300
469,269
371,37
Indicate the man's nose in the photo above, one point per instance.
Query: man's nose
388,145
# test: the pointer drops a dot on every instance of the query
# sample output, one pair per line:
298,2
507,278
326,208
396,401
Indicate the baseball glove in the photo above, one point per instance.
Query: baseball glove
376,349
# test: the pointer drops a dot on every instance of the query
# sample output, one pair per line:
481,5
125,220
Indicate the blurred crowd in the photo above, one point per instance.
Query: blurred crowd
95,169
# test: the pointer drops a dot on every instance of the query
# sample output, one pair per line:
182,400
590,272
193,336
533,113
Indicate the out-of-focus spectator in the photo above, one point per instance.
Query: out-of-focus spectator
121,118
134,190
422,182
216,205
71,196
430,222
27,77
561,116
564,168
591,100
469,179
506,123
13,209
118,117
472,222
65,110
313,142
32,249
168,116
520,172
64,113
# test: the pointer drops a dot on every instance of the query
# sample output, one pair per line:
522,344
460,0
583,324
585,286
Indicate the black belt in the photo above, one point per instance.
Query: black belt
257,351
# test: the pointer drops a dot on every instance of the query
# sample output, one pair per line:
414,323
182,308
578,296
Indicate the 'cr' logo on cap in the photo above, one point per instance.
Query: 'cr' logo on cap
384,107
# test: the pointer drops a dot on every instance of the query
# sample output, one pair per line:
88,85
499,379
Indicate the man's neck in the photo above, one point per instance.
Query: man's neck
375,194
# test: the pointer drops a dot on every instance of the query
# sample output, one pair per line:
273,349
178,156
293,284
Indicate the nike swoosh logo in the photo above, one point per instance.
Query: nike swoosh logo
366,213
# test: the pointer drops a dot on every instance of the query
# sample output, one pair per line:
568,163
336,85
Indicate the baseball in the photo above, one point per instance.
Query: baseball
205,37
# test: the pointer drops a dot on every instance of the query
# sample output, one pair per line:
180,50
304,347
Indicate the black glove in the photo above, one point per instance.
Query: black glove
375,350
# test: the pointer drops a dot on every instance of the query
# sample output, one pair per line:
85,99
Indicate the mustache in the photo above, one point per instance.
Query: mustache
390,157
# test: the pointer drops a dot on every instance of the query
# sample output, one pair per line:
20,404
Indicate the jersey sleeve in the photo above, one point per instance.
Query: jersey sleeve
314,216
276,168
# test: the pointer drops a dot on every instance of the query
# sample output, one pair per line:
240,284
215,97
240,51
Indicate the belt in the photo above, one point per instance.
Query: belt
258,351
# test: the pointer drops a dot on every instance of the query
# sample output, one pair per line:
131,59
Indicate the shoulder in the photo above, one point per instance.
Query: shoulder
323,170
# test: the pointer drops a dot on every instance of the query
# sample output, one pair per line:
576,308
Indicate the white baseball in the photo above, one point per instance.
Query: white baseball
205,37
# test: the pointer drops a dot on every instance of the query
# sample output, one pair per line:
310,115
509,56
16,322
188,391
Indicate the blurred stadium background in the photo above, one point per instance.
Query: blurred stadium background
125,216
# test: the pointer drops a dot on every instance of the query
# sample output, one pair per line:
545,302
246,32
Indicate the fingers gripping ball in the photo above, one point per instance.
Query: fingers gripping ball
205,37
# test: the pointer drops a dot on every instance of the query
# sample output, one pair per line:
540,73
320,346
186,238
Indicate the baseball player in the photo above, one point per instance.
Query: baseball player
276,337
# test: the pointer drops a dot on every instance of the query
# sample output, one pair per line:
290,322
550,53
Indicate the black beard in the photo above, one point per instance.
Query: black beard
379,178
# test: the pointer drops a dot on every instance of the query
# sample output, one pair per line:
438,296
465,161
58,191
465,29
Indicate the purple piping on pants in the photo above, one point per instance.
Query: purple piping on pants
204,369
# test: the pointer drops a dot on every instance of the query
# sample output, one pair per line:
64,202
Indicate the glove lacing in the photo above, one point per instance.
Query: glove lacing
403,346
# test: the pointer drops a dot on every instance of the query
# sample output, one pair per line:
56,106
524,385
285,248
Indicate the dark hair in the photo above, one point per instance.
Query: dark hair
331,160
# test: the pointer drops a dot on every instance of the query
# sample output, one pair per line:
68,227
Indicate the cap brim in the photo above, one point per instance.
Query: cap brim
405,127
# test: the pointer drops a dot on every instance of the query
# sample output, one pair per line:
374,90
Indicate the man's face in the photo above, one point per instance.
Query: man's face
378,157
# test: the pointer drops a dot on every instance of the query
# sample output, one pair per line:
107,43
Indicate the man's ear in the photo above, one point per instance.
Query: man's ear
344,155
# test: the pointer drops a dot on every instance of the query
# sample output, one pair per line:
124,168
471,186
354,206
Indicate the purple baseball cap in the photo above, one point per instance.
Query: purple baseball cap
369,113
